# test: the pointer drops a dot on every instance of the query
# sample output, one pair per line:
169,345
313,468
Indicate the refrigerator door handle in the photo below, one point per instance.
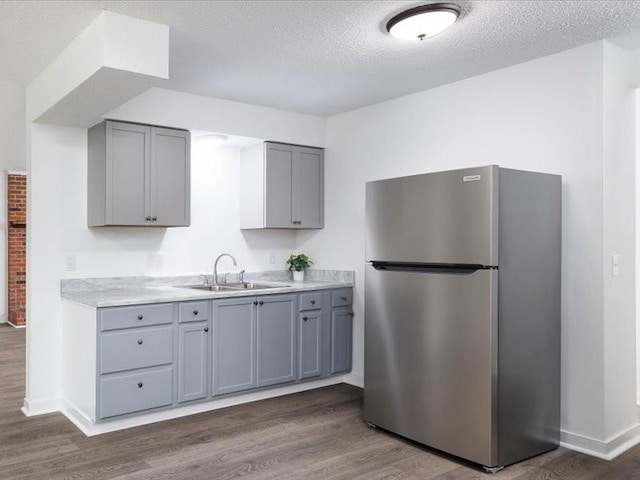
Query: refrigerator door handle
457,268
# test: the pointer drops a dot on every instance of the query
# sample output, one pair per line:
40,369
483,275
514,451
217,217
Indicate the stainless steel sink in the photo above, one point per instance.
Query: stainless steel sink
211,288
253,286
232,287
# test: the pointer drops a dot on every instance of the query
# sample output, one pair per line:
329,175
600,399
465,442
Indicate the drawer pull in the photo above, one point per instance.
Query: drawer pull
350,314
255,302
305,318
260,302
344,299
140,317
140,384
195,312
206,329
139,341
313,302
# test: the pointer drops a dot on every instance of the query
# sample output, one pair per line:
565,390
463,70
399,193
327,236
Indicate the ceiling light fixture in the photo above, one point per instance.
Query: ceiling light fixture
424,21
214,139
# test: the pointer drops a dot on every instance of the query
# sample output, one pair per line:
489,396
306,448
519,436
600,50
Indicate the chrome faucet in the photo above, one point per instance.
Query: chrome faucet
215,265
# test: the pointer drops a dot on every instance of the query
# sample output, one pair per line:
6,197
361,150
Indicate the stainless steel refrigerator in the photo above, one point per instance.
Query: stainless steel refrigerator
462,311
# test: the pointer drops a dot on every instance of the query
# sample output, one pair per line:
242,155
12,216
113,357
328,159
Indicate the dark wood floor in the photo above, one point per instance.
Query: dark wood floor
312,435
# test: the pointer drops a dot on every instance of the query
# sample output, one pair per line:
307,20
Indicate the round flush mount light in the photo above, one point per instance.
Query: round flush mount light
214,139
424,21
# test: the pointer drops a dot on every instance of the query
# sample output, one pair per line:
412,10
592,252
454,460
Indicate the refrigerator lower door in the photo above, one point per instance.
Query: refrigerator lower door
431,359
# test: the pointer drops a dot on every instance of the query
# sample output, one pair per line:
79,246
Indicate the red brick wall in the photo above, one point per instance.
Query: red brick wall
17,247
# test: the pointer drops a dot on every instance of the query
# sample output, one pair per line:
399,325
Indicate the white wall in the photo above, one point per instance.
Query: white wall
637,202
215,226
544,115
12,157
619,239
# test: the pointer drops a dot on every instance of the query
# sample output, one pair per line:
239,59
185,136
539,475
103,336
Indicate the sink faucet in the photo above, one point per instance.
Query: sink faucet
215,266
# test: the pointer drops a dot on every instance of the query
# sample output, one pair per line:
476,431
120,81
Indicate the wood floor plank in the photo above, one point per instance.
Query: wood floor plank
313,435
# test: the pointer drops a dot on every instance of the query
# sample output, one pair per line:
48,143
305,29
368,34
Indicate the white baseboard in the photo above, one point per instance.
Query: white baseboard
17,327
354,379
606,450
89,428
40,407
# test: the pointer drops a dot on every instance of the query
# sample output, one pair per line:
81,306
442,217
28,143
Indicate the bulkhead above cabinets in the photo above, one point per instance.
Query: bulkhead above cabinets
282,186
138,175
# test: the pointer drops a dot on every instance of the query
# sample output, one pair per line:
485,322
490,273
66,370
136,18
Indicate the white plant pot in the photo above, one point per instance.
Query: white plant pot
298,276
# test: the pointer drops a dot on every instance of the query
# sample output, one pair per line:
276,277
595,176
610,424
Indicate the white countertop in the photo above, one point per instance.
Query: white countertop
114,297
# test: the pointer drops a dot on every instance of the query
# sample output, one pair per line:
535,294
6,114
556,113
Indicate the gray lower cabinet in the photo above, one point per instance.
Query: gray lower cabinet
161,355
135,391
277,340
310,343
341,339
193,361
234,345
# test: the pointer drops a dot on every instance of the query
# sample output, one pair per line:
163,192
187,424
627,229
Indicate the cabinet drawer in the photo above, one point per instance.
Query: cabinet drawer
129,349
310,301
342,297
193,311
133,392
135,316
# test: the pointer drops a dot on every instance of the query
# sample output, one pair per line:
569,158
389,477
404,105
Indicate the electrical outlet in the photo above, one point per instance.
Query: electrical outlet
615,265
70,263
155,260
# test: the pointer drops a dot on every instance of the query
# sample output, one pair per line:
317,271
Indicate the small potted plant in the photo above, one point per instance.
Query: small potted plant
298,264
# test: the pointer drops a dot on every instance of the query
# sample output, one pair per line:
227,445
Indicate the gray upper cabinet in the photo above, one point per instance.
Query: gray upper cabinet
138,175
282,186
276,339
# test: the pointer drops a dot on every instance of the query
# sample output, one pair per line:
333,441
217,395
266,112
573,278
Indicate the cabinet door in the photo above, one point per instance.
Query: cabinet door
341,332
276,339
234,345
308,188
193,354
170,177
127,171
278,182
310,344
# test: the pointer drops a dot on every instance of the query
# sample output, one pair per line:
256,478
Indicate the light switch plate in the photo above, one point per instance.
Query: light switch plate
70,263
615,265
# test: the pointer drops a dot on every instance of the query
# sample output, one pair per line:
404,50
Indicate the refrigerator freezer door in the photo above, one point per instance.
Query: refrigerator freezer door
431,359
445,217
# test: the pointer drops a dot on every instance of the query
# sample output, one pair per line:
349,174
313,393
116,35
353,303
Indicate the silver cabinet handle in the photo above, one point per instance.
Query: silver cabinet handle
140,384
139,341
305,318
206,329
195,312
140,317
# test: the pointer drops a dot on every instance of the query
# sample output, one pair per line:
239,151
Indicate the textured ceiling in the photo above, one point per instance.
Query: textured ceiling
320,57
